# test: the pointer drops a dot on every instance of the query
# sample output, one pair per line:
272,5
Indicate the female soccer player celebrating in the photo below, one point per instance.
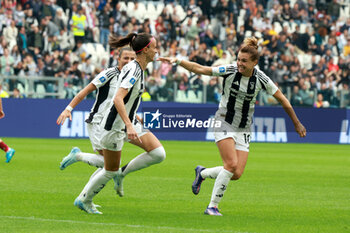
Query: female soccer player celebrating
120,123
106,83
242,83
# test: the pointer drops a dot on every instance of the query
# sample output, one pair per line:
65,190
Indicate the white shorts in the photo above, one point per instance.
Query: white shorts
241,138
114,140
94,135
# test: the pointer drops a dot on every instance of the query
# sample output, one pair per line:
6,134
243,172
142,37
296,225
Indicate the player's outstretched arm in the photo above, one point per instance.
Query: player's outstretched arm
188,65
2,114
299,128
66,113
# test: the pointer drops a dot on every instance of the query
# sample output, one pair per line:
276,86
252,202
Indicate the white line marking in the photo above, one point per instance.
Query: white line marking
116,224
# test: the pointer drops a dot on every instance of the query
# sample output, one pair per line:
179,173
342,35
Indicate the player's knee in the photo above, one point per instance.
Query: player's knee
236,175
231,166
158,154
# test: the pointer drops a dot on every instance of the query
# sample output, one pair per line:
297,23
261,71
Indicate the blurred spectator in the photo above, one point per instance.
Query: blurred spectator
47,9
347,48
197,85
6,63
35,40
59,20
146,96
306,96
103,19
17,94
183,83
296,99
286,12
29,65
75,76
15,53
193,31
78,24
218,51
333,9
19,16
332,66
301,40
212,91
303,43
87,68
22,41
50,28
30,20
10,34
40,67
64,40
3,93
326,92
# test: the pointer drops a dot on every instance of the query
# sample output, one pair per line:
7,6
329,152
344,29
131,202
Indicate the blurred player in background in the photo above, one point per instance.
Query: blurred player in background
121,124
242,83
9,151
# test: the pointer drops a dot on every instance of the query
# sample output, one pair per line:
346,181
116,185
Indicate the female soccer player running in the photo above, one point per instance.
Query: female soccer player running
242,83
120,123
106,83
9,151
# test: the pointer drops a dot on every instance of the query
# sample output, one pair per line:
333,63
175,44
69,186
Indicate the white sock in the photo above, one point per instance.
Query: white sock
96,184
211,173
97,171
86,186
220,186
144,160
91,159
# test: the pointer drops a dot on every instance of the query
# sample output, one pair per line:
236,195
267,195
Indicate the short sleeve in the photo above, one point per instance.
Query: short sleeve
102,78
224,70
129,76
269,85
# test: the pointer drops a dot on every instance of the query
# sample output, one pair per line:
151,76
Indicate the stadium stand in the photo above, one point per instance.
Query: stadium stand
305,45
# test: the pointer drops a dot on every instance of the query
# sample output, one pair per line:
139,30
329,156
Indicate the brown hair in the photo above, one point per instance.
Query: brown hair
126,48
136,41
250,45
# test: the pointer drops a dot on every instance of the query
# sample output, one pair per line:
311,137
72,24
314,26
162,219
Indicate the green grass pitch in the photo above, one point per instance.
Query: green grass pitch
285,188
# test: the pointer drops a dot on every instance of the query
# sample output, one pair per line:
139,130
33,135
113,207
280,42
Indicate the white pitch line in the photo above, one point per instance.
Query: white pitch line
32,218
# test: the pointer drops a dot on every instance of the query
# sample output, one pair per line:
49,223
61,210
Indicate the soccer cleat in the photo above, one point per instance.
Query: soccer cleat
70,158
118,183
212,211
95,205
196,186
89,208
9,154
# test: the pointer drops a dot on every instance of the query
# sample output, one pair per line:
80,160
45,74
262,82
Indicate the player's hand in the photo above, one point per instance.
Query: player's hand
62,118
167,59
132,135
300,129
139,119
2,114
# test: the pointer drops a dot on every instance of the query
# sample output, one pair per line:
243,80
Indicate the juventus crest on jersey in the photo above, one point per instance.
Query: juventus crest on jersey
239,94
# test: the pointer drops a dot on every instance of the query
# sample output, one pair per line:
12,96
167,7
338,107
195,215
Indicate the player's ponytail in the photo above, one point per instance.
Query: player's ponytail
250,45
136,41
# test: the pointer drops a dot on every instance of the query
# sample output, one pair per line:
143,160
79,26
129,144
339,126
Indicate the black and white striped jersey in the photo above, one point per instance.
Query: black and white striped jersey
106,82
132,79
239,94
